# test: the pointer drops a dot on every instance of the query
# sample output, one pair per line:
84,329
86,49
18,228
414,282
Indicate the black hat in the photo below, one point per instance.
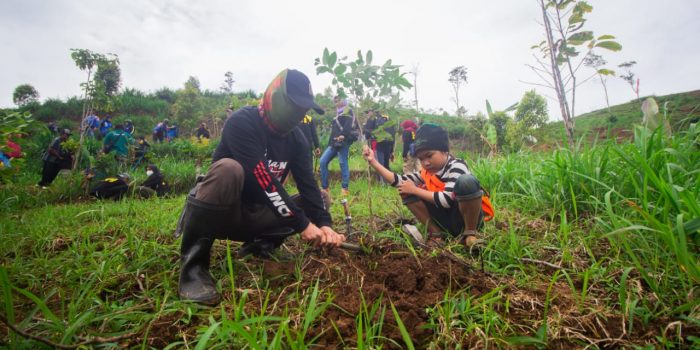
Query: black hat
431,137
299,90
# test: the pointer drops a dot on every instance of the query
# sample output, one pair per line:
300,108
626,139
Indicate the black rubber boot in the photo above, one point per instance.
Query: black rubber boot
264,245
200,223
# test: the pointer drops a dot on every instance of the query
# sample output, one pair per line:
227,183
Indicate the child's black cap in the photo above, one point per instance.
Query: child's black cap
431,137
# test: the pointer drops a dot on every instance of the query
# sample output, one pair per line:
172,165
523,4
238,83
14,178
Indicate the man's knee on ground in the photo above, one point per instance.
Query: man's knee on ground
467,187
227,167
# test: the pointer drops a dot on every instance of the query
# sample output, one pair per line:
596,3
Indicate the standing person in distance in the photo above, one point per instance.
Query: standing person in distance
54,158
159,131
408,136
339,146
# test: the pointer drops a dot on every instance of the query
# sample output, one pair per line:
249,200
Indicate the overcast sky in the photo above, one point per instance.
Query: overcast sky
162,42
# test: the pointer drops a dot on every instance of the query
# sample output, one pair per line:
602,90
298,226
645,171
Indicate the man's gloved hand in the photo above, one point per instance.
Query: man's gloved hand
322,237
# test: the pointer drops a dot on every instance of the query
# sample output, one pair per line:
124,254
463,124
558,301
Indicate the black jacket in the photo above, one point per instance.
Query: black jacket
157,183
267,159
308,126
346,121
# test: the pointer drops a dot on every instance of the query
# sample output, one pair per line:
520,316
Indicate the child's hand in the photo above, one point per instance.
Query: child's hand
407,188
367,153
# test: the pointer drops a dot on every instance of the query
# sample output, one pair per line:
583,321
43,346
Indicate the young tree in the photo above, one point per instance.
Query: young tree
227,86
532,110
563,22
500,120
24,94
368,86
628,76
186,108
101,88
107,82
458,76
414,72
597,63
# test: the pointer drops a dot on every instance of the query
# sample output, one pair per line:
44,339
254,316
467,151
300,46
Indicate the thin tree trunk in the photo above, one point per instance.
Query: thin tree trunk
360,123
76,161
415,89
558,83
605,88
457,100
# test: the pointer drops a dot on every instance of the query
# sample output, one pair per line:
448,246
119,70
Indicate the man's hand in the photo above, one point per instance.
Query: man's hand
340,138
367,153
317,151
408,188
322,237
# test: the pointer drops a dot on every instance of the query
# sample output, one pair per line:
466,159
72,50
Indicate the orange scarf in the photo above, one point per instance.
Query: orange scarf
432,182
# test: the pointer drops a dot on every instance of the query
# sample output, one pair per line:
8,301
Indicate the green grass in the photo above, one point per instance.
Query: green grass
620,220
680,108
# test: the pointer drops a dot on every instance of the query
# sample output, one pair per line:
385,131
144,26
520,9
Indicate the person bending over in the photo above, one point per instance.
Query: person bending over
242,198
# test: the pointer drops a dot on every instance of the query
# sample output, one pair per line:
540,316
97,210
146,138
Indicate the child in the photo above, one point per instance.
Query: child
444,195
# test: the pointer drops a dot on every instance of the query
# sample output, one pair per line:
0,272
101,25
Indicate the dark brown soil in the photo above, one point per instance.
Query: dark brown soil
414,284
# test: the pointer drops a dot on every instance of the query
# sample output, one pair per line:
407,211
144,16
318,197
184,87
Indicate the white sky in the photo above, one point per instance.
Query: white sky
162,42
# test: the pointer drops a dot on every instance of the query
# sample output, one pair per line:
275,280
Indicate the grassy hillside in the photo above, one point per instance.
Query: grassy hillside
681,109
595,249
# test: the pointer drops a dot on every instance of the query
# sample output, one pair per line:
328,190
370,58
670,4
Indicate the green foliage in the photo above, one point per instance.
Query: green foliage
106,84
188,103
564,40
24,94
532,110
652,119
101,87
368,84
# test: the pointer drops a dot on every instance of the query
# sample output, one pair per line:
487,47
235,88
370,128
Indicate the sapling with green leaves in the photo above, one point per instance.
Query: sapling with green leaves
561,59
99,90
597,63
368,86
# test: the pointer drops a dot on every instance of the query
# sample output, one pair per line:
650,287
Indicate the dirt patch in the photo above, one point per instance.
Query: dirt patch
412,283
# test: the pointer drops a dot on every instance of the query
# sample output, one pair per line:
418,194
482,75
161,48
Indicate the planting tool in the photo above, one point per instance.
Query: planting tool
277,237
417,239
348,218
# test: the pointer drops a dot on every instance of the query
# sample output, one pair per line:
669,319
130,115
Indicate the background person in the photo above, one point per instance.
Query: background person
106,125
154,185
129,127
308,126
384,147
91,124
113,187
202,131
159,131
408,136
55,159
118,141
338,146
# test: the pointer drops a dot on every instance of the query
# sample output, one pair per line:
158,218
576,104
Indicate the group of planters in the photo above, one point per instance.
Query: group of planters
242,197
116,143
